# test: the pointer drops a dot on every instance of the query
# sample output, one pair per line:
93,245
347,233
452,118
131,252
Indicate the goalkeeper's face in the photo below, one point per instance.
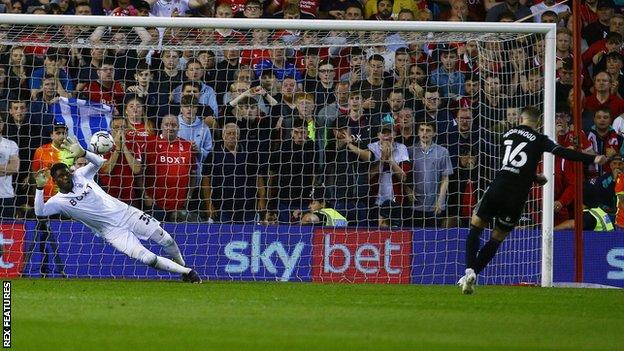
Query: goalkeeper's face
63,179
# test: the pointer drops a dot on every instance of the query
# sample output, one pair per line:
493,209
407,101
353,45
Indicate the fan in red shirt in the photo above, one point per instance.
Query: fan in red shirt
122,164
169,163
106,90
603,96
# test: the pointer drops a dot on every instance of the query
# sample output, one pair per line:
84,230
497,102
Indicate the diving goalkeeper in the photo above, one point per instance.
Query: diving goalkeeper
119,224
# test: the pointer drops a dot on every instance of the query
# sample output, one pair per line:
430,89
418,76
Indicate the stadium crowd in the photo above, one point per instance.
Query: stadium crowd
285,126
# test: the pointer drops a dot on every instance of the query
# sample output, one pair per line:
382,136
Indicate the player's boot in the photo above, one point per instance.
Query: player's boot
192,277
468,281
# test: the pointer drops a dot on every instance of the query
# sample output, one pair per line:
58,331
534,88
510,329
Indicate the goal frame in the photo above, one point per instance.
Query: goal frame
547,29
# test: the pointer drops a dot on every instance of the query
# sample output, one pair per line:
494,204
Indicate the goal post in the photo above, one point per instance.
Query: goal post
334,35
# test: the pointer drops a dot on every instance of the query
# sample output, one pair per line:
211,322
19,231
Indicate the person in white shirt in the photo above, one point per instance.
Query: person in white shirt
9,165
119,224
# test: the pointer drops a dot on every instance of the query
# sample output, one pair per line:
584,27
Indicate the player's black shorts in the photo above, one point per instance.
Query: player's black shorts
502,205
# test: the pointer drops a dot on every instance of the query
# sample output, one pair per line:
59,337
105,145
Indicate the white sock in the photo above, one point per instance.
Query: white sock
174,251
170,266
167,242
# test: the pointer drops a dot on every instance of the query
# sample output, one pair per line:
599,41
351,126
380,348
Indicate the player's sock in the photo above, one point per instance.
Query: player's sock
472,246
170,266
486,254
167,242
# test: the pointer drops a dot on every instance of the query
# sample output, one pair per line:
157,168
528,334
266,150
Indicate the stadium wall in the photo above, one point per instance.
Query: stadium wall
297,253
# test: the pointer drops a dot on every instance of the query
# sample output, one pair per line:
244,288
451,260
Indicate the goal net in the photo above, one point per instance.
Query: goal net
273,150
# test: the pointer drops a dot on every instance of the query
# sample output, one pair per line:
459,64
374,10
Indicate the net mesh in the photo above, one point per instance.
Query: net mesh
312,112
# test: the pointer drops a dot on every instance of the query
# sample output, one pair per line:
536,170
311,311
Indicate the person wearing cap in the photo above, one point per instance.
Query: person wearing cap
44,157
388,176
319,211
346,169
48,154
597,30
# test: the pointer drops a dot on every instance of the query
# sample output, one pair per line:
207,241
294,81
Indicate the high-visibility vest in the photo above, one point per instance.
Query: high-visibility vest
603,221
333,218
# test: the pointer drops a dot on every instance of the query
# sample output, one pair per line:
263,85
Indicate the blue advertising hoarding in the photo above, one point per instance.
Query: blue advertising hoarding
285,253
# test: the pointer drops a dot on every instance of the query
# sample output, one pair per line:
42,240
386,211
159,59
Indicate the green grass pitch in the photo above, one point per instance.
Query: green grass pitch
167,315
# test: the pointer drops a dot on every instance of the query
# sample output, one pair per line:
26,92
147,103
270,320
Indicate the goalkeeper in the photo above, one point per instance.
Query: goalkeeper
81,198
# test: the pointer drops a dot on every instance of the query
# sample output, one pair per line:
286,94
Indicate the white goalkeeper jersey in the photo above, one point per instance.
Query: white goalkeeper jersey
87,202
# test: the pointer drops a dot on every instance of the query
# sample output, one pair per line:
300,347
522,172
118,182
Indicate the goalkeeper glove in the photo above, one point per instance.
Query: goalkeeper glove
41,178
72,145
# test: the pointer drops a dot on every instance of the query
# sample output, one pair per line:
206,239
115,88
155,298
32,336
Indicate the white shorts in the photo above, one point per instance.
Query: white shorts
137,223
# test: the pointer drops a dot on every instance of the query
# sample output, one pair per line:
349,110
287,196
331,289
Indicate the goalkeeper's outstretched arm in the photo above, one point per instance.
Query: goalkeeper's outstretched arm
42,208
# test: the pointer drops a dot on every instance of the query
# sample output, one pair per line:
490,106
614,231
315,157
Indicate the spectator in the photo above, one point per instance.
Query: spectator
319,212
363,125
19,128
384,10
279,64
123,164
449,81
600,192
561,10
493,100
566,136
604,97
339,107
589,12
323,86
549,17
429,179
457,13
392,105
52,66
401,69
293,171
378,47
169,164
614,64
17,76
138,127
433,110
256,130
106,90
355,73
48,154
9,165
595,56
514,7
336,9
286,98
178,9
600,28
563,46
604,139
207,96
347,163
388,176
253,9
375,87
305,111
41,108
406,134
226,70
232,183
193,129
308,9
145,89
89,71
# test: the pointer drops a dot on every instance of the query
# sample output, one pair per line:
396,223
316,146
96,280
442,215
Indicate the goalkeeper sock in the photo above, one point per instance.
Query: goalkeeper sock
486,254
164,239
174,251
170,266
472,246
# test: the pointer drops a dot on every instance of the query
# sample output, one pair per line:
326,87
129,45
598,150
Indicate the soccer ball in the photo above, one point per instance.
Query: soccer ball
101,142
